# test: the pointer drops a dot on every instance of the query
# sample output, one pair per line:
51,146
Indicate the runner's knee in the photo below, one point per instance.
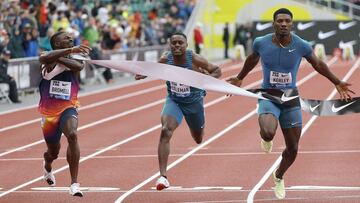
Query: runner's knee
197,136
291,152
166,134
72,137
293,149
267,133
198,139
51,155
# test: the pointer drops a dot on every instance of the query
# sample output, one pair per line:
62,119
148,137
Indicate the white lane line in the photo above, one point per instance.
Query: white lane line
106,89
113,117
187,155
241,200
122,97
250,198
250,114
324,188
218,100
88,189
198,154
121,142
201,188
116,116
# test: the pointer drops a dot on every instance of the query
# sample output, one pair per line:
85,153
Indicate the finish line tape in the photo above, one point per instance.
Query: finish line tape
195,79
176,74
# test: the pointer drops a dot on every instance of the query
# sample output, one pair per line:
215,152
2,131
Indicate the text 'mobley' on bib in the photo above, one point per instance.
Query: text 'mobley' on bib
280,78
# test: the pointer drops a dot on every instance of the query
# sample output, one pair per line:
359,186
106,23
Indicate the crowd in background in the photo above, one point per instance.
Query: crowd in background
27,25
341,6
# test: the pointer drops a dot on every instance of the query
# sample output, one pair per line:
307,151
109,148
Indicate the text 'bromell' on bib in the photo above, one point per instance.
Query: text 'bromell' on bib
60,89
180,90
280,78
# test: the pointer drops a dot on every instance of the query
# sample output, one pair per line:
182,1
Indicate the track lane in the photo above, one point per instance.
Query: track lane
192,164
343,74
14,137
135,148
235,108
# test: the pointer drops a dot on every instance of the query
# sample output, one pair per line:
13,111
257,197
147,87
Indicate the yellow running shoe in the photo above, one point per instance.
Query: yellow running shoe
266,146
279,187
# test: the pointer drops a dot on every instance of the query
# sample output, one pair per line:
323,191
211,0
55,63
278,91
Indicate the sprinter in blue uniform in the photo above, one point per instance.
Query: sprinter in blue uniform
182,100
281,53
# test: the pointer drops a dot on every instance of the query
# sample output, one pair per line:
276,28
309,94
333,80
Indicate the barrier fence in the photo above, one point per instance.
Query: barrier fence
26,71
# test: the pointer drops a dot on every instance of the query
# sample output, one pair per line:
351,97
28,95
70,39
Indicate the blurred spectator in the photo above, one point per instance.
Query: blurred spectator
111,37
4,39
240,35
95,54
243,36
44,42
198,38
103,14
5,78
123,23
91,32
79,20
15,45
60,21
226,38
249,43
30,41
150,33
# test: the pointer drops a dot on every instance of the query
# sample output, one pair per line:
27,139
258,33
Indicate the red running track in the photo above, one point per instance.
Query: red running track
119,131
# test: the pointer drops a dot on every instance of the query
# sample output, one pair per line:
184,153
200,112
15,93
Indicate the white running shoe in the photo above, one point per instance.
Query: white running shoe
49,177
162,183
75,190
266,146
279,187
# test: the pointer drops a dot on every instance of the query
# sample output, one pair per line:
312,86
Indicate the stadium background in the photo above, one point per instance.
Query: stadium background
141,27
117,154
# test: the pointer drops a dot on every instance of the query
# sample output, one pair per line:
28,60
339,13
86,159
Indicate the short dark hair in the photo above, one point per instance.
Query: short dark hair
282,11
178,33
53,38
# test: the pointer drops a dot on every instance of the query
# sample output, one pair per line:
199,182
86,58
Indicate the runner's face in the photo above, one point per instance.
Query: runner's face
283,24
178,45
65,41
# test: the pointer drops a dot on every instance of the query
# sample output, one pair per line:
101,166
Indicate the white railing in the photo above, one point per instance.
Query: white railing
26,71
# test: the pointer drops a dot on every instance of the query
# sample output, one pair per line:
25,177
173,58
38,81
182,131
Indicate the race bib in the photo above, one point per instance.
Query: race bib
280,78
180,90
60,89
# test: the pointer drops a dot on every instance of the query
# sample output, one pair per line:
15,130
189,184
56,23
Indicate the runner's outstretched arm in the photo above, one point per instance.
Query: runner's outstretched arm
249,64
52,56
203,66
72,64
321,67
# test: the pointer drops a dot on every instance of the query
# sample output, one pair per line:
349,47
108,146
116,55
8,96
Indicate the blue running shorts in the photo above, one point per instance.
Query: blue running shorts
289,117
193,112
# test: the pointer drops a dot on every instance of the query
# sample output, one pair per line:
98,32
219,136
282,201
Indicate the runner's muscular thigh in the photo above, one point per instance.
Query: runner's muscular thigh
268,122
169,122
70,126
